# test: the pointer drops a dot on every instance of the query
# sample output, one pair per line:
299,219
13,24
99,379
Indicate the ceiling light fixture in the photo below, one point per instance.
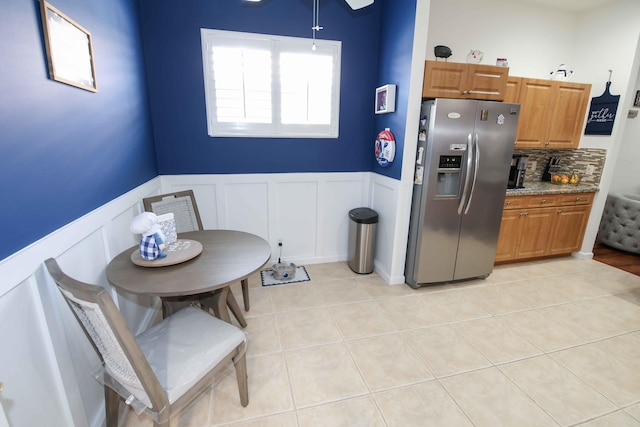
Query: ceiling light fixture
316,25
359,4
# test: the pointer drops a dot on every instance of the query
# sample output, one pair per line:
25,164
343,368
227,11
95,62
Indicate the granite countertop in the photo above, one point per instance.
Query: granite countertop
539,187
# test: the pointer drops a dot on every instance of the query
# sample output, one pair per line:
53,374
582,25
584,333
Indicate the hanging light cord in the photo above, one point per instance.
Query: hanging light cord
316,25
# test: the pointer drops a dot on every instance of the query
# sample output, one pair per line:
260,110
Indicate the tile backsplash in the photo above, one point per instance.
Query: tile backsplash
571,161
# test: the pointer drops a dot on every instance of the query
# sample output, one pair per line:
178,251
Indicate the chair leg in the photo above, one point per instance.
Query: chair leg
243,380
245,293
112,406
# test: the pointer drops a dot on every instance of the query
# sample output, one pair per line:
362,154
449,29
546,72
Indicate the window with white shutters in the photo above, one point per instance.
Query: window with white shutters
270,86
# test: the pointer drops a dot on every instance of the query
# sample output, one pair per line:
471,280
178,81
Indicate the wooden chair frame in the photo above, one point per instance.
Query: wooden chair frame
161,410
148,202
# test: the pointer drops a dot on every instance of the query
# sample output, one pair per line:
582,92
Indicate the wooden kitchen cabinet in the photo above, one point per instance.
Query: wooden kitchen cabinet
508,237
542,225
551,113
572,215
526,233
512,91
568,229
464,81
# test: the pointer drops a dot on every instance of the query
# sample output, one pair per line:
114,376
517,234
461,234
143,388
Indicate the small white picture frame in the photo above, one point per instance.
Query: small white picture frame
385,99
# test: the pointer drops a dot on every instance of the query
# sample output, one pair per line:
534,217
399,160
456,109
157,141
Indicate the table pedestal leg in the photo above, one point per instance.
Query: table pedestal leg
217,301
172,304
245,293
235,309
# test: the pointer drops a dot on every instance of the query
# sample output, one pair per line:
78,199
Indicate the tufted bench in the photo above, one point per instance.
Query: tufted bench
620,224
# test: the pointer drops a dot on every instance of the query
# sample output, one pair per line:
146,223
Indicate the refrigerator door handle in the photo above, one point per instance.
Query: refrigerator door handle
476,160
463,199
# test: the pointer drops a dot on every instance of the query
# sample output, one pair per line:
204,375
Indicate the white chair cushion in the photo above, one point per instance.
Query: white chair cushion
184,347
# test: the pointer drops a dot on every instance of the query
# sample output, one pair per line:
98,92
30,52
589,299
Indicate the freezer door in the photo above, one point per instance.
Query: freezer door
494,135
435,224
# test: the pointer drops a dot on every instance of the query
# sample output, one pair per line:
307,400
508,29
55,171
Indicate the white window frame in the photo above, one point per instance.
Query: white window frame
275,129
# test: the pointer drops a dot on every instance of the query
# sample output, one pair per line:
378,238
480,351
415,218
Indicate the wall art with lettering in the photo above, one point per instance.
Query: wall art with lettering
602,113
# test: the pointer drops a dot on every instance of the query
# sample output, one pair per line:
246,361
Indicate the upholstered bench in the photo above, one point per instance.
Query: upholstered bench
620,224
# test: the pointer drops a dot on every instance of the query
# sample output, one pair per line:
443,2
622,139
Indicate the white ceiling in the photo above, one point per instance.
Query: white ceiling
572,5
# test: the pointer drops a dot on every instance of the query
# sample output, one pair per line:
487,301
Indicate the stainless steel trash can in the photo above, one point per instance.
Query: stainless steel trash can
362,239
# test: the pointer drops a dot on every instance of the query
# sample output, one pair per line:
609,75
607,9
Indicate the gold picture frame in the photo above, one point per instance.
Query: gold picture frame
69,49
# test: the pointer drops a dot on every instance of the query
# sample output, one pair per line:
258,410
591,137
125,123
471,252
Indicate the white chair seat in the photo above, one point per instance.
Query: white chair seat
180,355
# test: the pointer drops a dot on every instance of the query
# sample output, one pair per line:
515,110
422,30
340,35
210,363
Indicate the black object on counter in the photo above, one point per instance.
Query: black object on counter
518,171
552,168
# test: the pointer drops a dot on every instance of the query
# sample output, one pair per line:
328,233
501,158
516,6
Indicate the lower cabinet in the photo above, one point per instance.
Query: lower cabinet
540,226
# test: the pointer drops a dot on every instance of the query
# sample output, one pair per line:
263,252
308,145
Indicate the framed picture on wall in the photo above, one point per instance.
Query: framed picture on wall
636,102
69,49
385,99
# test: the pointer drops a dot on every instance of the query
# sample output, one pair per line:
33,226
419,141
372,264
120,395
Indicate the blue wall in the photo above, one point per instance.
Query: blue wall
171,34
65,151
396,48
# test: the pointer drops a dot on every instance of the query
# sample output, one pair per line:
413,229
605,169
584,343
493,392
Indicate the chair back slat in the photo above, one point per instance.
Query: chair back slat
117,347
183,206
96,326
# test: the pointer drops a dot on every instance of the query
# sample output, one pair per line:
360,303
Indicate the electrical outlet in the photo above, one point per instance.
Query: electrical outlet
533,165
589,170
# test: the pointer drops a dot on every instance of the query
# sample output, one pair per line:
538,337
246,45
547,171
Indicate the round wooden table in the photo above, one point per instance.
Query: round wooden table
227,257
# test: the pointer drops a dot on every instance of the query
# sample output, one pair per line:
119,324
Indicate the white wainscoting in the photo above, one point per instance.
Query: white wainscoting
392,200
307,211
46,360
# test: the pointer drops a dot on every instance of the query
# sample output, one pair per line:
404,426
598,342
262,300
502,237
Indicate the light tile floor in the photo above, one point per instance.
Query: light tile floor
544,343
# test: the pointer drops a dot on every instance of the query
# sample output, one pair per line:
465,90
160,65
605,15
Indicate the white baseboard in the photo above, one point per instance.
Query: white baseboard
582,255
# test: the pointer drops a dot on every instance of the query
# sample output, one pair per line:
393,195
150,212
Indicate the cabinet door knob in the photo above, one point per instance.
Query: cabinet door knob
524,214
544,201
508,203
578,199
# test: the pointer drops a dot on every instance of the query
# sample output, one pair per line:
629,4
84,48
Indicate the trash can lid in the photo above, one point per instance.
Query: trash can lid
363,215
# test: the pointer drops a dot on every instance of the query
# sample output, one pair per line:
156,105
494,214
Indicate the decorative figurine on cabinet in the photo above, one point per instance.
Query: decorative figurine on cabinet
441,51
152,240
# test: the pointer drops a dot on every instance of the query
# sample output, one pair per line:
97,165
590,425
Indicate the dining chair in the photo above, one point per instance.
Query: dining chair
183,206
185,210
164,368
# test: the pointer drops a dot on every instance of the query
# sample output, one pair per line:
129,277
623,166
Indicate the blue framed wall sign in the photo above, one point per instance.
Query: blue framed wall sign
602,113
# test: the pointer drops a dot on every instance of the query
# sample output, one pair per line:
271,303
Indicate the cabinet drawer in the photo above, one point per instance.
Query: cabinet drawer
575,199
515,202
541,201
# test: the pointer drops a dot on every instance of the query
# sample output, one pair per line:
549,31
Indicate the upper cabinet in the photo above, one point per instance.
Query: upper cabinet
465,81
512,92
551,112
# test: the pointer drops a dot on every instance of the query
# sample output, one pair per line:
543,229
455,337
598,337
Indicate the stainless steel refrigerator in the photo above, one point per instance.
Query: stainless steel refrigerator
462,168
